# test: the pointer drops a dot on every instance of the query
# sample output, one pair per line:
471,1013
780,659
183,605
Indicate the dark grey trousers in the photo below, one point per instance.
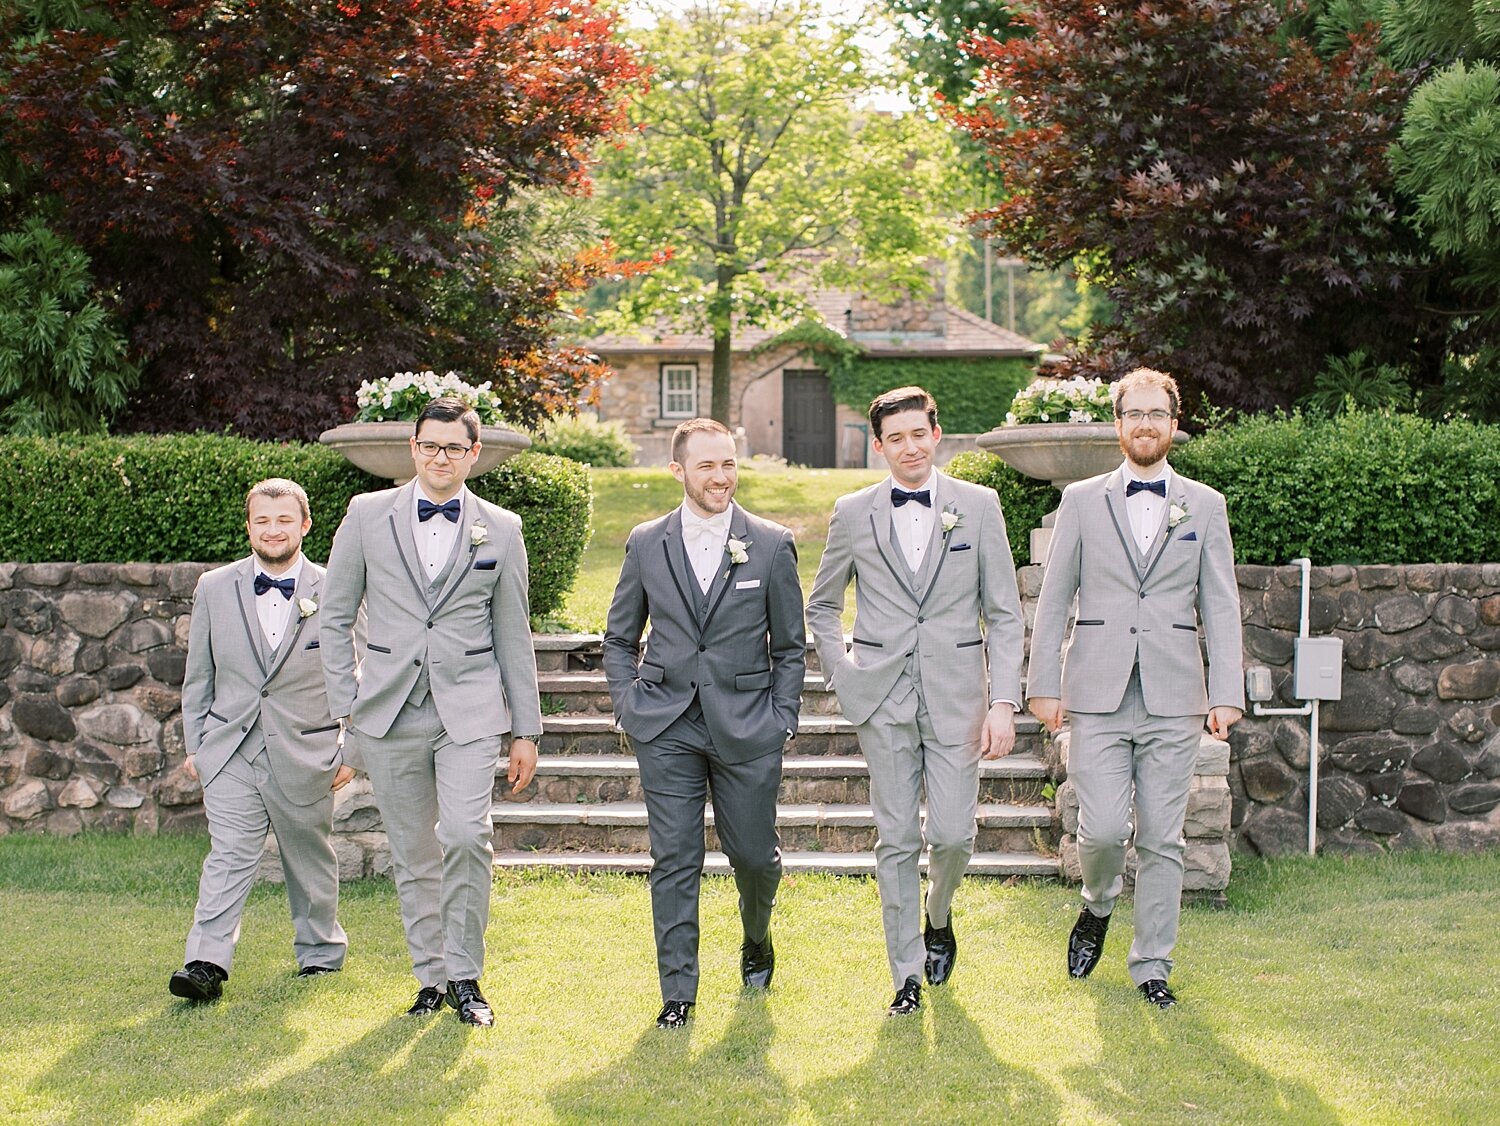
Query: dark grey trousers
680,770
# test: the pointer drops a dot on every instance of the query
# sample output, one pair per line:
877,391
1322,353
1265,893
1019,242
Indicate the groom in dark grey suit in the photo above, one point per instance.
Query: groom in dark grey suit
709,701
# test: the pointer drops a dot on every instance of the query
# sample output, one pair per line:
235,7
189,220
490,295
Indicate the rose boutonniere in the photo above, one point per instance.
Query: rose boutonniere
1176,515
737,550
951,519
306,607
478,534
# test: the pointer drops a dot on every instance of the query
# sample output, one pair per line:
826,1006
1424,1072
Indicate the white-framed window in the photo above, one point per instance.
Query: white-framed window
679,390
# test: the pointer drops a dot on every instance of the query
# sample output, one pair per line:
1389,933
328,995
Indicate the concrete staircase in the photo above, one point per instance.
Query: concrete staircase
585,810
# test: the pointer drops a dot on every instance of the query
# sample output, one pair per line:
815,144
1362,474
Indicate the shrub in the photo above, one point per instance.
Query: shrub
972,395
1359,488
144,499
1023,499
587,441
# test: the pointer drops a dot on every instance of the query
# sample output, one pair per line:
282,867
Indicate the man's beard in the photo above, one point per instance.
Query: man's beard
704,502
286,556
1164,444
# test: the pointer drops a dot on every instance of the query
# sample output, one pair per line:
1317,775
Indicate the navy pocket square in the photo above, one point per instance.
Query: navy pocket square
960,547
1189,536
315,643
485,565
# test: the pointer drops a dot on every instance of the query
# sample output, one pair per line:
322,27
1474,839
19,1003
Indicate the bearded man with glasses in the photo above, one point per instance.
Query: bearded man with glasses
445,671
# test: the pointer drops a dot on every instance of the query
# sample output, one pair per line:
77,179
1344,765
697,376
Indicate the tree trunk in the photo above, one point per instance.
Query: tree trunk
723,329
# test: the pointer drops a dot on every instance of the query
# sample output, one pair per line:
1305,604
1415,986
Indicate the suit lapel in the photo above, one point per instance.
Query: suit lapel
1165,534
307,587
672,543
244,589
880,534
461,554
937,547
1114,499
406,546
720,584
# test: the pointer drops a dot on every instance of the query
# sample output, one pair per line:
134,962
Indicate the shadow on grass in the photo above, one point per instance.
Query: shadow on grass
660,1079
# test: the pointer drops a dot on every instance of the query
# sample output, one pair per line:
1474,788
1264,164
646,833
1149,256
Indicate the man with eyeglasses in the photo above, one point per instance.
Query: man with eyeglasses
446,671
1148,555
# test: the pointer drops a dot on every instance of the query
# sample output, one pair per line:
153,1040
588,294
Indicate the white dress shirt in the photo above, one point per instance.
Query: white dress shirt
1145,509
705,540
913,521
436,534
273,609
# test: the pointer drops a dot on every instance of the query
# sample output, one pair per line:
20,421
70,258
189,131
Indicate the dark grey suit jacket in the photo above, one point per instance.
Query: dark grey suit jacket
741,650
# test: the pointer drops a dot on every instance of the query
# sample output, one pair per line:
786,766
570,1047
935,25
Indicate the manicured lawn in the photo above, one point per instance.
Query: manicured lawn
802,499
1330,992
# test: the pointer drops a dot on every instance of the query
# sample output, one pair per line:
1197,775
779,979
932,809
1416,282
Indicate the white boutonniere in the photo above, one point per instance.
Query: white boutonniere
478,534
737,551
1176,515
306,607
950,518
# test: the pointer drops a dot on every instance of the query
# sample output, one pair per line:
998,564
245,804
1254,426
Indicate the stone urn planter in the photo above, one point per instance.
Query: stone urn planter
383,449
1059,452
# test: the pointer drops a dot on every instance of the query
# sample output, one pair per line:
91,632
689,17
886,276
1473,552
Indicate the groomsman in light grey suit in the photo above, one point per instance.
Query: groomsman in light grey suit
446,671
709,701
1148,556
933,680
261,740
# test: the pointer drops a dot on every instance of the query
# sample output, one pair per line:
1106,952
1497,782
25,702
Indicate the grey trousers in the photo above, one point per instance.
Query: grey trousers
435,798
243,802
680,769
906,758
1112,758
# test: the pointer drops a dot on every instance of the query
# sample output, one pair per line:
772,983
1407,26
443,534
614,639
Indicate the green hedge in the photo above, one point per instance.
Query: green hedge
588,441
1360,488
972,394
158,499
1023,500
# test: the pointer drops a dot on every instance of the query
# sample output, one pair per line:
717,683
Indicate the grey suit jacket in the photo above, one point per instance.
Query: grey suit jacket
473,636
1133,609
235,692
962,609
741,649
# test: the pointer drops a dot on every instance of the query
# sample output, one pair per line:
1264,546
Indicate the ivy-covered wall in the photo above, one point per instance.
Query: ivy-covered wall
972,394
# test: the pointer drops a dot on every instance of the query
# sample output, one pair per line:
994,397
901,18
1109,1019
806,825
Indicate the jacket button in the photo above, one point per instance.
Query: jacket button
1132,629
244,729
921,620
418,662
265,692
692,684
1143,595
703,648
429,624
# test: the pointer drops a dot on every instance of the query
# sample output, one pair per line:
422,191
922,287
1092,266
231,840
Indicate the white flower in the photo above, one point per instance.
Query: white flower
950,520
306,607
478,534
1176,515
737,552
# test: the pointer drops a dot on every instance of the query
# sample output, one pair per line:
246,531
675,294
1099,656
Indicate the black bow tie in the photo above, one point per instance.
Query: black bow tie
1157,487
921,496
264,582
426,510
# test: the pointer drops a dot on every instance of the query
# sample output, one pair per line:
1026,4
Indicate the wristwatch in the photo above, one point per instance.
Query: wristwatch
532,738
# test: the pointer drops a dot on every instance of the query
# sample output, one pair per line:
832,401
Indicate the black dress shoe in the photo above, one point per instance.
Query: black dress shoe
908,999
429,1000
472,1008
757,963
674,1014
198,981
315,971
1156,992
1086,943
942,952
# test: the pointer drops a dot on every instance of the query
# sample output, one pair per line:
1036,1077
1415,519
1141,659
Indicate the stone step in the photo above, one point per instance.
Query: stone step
575,734
621,827
1001,864
805,779
587,693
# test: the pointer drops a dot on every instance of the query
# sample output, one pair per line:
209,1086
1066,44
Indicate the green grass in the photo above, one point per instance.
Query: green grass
802,499
1329,992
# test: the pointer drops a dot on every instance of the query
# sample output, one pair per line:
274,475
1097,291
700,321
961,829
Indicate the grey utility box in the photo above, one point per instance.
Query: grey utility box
1318,668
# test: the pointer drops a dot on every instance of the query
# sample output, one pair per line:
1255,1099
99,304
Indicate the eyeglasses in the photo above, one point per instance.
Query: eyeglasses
1157,415
432,449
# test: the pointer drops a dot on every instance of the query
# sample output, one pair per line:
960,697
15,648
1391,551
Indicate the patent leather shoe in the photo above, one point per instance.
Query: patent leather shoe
674,1014
464,996
908,999
757,963
429,1000
317,971
198,981
1156,993
942,952
1086,943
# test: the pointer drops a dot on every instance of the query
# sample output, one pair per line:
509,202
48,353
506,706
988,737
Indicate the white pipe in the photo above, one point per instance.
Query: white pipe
1312,783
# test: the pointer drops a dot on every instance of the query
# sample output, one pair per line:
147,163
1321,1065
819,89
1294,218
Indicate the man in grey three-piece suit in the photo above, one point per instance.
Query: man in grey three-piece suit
935,595
446,671
1147,553
710,700
260,739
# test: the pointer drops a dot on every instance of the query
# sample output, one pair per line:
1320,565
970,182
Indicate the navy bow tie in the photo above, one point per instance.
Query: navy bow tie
426,510
921,496
1157,487
264,582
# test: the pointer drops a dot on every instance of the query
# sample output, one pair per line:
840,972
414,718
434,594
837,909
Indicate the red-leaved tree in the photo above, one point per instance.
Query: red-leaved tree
1228,183
283,197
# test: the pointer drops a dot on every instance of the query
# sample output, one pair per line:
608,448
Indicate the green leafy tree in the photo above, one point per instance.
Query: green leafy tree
62,360
753,165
